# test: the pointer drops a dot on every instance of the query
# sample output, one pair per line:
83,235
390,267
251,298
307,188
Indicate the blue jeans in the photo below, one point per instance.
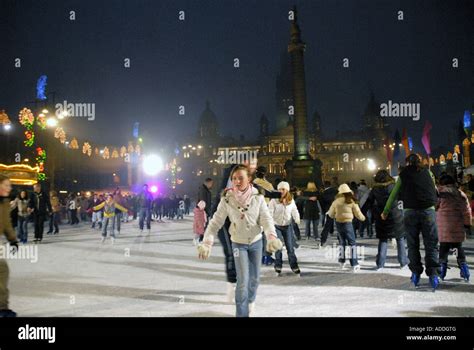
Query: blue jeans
422,221
307,228
401,252
105,224
347,236
22,228
145,213
248,258
285,234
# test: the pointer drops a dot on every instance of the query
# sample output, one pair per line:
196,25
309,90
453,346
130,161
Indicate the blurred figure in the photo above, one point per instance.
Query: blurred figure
6,229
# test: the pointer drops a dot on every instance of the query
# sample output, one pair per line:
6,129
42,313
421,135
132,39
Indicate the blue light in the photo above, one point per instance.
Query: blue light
136,126
410,143
41,87
467,120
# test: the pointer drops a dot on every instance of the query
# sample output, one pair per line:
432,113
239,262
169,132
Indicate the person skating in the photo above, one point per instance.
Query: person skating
187,204
96,214
40,206
204,194
282,211
417,190
264,186
118,198
6,229
21,204
392,227
109,206
145,200
72,207
453,215
248,212
311,211
362,194
343,210
180,211
327,197
199,223
224,237
55,213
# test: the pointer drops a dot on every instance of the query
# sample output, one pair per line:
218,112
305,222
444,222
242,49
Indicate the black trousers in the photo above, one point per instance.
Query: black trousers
328,227
444,249
224,238
39,225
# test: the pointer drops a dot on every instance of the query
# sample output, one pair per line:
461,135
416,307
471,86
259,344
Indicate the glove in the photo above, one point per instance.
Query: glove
13,247
273,244
204,251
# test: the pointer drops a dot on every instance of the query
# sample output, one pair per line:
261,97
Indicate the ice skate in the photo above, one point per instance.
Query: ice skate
465,272
277,271
356,268
444,270
415,279
434,282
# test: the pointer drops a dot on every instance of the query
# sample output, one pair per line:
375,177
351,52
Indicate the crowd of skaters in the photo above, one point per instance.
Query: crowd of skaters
256,221
402,209
104,211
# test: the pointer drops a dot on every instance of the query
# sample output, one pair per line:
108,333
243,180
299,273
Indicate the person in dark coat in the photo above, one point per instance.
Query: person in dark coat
41,209
416,188
393,227
204,194
325,200
311,211
224,236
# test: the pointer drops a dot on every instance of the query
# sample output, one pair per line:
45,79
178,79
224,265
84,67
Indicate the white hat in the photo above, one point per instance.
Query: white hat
344,188
284,185
201,205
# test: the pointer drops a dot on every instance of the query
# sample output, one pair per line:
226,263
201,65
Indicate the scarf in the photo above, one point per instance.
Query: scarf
243,197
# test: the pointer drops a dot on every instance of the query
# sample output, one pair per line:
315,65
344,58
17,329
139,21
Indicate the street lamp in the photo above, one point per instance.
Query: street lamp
152,164
371,165
52,122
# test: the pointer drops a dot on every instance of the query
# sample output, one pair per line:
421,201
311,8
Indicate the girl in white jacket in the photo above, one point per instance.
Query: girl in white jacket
282,211
247,212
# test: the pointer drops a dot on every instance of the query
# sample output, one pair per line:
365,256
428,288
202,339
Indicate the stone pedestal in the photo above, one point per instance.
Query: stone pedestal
300,172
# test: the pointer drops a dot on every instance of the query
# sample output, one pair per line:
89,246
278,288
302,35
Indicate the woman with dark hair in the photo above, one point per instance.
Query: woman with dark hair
390,228
453,216
416,186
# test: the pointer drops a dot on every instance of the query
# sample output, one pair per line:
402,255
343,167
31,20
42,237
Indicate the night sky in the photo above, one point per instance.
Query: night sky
177,63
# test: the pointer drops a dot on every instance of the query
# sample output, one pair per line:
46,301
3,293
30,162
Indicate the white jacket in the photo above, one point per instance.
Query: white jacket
246,223
282,214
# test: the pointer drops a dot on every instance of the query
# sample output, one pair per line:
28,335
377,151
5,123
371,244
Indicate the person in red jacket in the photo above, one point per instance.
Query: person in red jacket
199,224
453,215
